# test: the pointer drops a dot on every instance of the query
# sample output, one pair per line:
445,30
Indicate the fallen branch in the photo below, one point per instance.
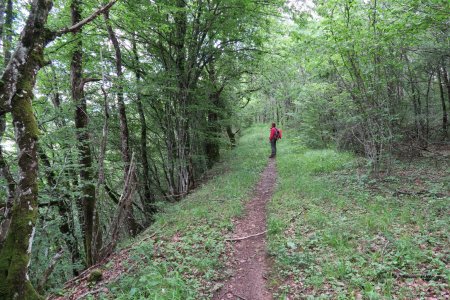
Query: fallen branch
246,237
240,297
426,277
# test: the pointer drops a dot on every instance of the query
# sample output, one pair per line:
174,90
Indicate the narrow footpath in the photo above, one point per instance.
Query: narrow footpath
248,251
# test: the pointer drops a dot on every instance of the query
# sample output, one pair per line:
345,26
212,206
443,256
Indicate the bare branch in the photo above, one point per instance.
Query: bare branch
85,21
50,269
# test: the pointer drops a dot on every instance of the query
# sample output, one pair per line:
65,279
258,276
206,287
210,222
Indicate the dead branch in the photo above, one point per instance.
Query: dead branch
50,269
123,207
240,297
246,237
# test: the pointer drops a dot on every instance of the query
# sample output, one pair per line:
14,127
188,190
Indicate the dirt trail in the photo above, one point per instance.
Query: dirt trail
248,258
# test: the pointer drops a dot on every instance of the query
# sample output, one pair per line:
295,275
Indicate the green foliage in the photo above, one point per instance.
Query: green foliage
360,75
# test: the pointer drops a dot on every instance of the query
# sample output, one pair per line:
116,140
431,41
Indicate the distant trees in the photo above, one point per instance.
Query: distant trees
371,75
116,111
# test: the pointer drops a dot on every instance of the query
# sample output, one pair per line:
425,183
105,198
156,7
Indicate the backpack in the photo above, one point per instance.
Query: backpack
277,134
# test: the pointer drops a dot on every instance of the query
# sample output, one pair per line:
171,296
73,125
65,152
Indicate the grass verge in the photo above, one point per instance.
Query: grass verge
182,254
336,233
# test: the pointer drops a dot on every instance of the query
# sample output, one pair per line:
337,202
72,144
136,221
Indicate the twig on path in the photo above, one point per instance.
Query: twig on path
240,297
246,237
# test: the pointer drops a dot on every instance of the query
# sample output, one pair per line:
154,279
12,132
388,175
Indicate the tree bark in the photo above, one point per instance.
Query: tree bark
4,169
11,187
2,16
124,132
212,146
447,83
231,136
427,107
149,199
88,199
444,107
16,94
7,37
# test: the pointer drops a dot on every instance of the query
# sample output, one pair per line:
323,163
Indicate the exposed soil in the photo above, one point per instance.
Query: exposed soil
248,256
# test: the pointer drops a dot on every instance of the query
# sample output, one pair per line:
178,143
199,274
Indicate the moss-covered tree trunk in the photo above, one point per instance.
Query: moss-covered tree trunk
16,94
4,168
15,255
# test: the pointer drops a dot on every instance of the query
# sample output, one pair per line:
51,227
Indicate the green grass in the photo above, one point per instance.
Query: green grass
336,233
187,254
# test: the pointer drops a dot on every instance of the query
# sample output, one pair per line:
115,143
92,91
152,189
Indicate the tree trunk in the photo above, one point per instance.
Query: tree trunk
149,198
212,146
427,107
124,133
16,94
88,199
11,187
447,82
444,107
182,97
231,136
4,169
7,37
2,17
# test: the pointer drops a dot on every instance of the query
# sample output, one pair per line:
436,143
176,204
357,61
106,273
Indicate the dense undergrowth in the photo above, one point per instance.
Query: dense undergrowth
337,233
186,252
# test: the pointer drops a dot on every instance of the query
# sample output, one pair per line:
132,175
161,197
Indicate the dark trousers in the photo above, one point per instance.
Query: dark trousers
273,144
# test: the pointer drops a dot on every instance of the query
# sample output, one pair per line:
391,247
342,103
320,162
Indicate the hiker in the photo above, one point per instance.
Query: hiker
275,134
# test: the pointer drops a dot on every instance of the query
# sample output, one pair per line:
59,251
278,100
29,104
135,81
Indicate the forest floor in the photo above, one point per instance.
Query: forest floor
247,254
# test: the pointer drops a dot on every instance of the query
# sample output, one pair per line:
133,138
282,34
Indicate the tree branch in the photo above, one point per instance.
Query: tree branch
85,21
50,269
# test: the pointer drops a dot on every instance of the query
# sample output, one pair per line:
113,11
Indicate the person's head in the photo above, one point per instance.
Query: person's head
273,124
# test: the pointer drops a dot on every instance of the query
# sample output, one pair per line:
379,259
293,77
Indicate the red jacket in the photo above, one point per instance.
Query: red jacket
273,132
